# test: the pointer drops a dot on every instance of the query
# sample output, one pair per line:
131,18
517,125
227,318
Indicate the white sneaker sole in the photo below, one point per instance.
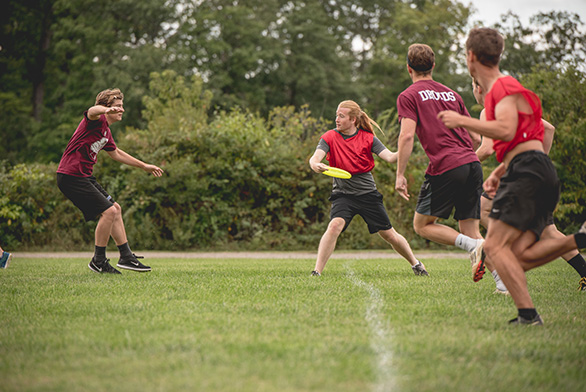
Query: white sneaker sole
137,269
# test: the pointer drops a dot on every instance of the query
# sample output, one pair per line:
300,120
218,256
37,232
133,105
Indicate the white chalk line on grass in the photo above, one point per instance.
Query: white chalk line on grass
380,334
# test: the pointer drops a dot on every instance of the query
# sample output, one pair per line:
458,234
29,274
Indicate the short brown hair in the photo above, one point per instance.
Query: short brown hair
106,97
420,58
486,44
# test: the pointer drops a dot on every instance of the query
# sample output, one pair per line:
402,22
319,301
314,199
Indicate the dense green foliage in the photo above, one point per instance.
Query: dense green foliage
241,181
236,181
266,325
230,97
254,55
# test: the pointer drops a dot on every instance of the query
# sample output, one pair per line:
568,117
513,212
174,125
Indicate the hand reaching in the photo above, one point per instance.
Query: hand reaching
154,170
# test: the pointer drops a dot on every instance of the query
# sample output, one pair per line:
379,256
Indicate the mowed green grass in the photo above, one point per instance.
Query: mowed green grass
265,325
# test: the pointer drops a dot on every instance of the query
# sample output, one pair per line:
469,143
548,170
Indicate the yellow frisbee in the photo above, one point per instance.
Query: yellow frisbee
338,173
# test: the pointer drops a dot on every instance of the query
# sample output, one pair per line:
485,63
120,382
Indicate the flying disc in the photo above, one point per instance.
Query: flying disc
338,173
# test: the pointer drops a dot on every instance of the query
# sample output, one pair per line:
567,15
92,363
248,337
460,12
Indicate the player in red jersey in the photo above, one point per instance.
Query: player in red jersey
350,147
573,258
525,187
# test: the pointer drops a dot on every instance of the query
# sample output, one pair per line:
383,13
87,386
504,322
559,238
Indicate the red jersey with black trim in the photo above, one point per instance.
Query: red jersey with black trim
530,126
353,154
81,152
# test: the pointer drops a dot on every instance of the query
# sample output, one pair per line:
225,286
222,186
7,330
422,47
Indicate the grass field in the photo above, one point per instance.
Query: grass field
265,325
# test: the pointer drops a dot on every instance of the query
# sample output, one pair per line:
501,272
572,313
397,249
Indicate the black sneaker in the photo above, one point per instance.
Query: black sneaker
523,321
315,273
102,267
132,263
582,285
419,269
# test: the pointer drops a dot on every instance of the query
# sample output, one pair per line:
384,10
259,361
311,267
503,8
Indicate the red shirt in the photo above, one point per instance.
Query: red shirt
530,126
81,152
353,154
445,148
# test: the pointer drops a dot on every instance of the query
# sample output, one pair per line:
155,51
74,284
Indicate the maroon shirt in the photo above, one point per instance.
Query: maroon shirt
445,148
81,152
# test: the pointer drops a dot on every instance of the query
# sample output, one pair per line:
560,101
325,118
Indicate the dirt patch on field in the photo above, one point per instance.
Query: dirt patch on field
250,255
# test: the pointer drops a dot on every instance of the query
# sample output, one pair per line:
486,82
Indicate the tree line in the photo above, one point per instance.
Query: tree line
243,75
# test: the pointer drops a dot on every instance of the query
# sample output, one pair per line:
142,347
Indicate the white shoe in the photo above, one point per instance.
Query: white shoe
477,261
499,291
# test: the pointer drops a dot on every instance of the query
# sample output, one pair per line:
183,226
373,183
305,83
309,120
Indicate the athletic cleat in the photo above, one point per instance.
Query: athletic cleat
102,267
477,257
419,269
582,285
132,263
498,290
315,273
500,286
5,259
523,321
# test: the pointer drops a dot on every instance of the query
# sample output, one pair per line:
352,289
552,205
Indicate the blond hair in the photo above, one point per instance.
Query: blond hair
362,120
107,97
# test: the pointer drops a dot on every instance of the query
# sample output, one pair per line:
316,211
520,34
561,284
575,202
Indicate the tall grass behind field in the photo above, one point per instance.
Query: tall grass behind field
266,325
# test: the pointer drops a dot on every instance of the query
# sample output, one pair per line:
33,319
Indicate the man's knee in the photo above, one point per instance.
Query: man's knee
336,226
113,212
389,235
420,225
491,248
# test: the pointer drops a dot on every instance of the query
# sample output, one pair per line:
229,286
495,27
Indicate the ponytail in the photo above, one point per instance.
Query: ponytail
362,120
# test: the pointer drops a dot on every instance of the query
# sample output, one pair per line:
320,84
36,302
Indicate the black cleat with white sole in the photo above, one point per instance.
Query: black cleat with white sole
102,267
132,263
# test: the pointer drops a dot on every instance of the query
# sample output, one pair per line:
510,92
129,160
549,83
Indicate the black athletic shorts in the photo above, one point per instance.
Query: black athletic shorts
528,193
86,194
459,188
369,206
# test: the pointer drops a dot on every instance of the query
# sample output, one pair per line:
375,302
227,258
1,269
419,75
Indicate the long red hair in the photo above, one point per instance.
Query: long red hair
362,120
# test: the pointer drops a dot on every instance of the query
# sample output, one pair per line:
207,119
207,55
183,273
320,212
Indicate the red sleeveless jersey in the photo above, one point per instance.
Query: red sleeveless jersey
530,126
353,154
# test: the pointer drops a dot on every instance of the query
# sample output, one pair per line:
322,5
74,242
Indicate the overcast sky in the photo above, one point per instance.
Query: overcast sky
489,11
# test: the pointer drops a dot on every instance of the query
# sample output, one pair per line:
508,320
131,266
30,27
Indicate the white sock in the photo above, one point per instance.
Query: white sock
499,283
466,243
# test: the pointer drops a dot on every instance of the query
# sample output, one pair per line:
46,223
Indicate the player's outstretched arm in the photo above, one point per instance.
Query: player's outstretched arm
95,112
123,157
315,161
388,156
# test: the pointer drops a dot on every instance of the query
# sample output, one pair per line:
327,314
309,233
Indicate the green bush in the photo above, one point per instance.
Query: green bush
33,212
237,181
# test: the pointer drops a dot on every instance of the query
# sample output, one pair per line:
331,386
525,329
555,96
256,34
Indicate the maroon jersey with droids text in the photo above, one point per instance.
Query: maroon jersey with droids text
446,148
82,150
529,127
353,154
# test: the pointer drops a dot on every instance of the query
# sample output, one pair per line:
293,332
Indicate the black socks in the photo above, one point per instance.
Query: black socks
100,253
528,313
579,264
124,251
580,239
